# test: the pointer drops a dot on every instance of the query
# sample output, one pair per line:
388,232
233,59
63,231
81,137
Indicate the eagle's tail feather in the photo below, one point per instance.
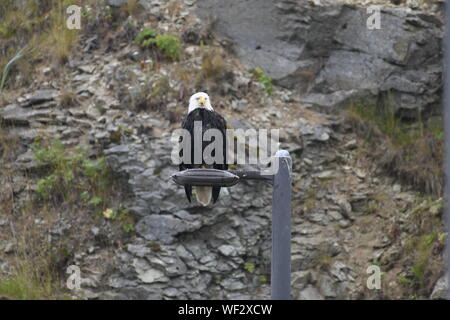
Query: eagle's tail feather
203,195
188,191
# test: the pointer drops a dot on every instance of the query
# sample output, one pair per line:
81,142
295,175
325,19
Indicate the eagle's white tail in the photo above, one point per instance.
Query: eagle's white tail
203,195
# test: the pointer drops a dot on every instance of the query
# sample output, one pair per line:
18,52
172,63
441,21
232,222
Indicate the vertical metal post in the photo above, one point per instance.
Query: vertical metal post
281,228
446,108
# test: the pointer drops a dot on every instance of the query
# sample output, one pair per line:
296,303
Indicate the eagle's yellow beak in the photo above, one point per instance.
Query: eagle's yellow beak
202,100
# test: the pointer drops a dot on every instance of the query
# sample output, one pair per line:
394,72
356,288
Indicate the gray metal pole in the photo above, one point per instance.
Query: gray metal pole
281,228
447,133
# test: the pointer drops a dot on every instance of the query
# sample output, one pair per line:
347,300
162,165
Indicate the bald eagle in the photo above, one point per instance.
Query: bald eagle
201,111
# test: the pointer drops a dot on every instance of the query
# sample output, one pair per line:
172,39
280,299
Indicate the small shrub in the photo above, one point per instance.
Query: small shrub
169,45
95,201
45,186
144,37
263,79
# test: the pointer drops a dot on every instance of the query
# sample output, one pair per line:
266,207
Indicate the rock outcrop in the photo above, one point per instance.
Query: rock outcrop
325,51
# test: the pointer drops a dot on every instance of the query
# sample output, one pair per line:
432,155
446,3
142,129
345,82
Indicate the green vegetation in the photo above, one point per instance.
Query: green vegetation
262,279
31,279
169,45
122,217
249,267
376,262
95,201
263,79
69,176
154,246
386,121
72,176
22,287
404,280
410,151
8,66
66,181
422,245
146,37
39,26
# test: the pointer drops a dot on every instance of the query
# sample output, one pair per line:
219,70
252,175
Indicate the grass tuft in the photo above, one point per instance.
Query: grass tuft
39,26
8,66
412,152
26,284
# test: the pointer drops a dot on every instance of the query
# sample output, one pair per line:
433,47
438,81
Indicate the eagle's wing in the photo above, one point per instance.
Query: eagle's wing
188,125
222,126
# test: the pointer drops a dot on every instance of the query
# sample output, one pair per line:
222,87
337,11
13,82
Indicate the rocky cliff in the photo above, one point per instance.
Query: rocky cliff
121,102
325,50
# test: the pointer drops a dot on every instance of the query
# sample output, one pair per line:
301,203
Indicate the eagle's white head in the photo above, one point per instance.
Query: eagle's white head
200,100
